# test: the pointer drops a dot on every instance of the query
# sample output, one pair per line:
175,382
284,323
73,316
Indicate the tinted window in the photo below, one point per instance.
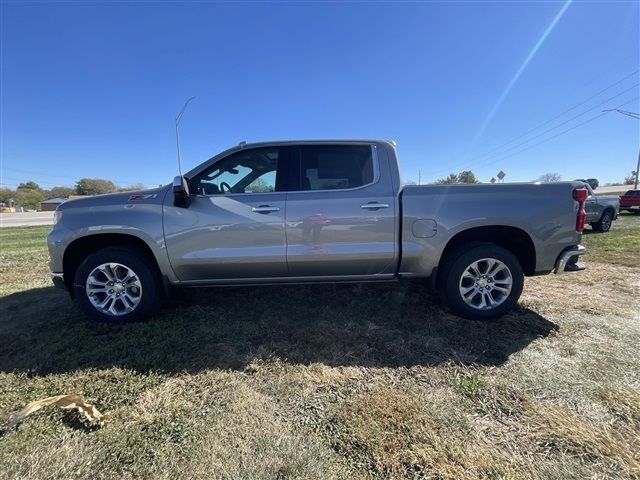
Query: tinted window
329,167
246,171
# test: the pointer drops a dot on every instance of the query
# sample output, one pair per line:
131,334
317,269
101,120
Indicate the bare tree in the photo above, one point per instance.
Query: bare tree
631,178
549,178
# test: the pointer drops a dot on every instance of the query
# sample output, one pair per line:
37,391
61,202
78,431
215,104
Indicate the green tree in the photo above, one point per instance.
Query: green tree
30,185
29,198
6,194
133,187
61,192
466,176
452,178
29,195
94,186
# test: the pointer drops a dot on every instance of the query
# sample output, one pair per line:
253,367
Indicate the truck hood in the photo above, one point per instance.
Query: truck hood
152,195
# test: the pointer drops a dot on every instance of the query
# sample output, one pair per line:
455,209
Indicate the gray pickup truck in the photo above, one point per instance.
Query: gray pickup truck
601,210
313,211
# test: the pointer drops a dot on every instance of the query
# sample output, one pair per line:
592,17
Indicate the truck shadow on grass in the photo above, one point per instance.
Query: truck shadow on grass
370,325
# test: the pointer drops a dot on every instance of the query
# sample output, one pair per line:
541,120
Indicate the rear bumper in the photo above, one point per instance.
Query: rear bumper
569,260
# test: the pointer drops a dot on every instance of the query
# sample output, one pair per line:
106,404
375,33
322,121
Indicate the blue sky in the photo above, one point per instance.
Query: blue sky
92,89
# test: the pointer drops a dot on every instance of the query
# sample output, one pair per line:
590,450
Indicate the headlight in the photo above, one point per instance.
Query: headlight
57,216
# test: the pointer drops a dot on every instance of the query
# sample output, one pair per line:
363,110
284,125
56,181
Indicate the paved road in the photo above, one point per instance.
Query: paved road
26,219
613,190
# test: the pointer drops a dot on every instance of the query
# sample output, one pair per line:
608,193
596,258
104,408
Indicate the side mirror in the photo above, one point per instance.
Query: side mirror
181,196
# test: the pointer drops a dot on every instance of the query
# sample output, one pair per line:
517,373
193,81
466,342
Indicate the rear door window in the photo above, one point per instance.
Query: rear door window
333,167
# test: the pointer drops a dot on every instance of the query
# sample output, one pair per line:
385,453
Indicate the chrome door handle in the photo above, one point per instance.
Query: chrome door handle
374,206
265,209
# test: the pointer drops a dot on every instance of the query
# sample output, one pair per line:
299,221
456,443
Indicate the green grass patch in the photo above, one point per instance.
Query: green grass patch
618,246
365,381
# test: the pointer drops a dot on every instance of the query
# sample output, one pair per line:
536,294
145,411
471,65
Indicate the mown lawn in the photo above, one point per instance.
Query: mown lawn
621,245
347,381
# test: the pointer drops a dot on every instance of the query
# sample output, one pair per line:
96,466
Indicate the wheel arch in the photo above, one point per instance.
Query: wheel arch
609,209
514,239
82,247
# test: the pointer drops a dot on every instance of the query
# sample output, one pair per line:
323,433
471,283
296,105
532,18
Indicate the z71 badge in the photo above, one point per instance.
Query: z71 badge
139,196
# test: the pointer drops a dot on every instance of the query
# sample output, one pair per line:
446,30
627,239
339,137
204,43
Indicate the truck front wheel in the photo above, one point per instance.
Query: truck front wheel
481,281
604,224
117,284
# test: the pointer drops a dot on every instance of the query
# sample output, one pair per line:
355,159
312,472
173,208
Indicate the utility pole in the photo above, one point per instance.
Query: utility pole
419,177
637,117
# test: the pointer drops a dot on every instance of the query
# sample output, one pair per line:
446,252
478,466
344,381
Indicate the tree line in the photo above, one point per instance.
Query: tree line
467,176
29,194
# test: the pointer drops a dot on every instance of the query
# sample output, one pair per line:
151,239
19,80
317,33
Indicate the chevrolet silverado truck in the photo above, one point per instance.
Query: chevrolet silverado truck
313,211
601,210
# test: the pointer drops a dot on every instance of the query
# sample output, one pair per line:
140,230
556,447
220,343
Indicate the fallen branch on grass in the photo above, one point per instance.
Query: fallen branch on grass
91,413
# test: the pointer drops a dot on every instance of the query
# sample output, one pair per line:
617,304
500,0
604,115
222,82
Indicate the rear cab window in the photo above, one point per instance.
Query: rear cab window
335,167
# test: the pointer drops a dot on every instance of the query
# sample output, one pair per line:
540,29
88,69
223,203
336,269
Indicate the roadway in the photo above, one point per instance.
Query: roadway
27,219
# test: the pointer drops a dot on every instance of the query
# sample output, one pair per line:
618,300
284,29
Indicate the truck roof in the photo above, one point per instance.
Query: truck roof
244,143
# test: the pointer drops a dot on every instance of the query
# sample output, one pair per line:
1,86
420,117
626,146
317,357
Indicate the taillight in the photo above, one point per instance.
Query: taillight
580,195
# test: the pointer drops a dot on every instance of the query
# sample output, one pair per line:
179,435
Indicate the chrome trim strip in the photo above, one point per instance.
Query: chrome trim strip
56,275
566,255
222,282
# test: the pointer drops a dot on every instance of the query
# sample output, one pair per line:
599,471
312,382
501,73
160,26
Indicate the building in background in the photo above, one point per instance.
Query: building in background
51,204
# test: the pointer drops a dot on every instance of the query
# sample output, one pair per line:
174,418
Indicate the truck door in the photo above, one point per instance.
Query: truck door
340,212
234,226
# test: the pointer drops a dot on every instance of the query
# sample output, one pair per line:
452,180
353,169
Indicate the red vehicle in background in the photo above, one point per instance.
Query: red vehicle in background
630,200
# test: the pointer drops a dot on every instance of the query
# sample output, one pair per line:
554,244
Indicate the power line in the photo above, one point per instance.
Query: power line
20,180
555,136
70,179
635,72
35,173
546,122
557,126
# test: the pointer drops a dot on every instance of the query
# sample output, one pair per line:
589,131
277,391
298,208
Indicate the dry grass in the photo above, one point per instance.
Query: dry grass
361,381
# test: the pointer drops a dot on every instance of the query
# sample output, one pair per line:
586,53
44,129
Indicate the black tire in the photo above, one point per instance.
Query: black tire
604,224
140,263
457,263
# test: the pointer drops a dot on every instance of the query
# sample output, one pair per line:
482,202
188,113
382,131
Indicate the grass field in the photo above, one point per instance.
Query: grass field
348,381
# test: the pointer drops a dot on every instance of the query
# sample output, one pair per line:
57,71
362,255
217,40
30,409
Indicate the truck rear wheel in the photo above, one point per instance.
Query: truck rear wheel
481,281
117,285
